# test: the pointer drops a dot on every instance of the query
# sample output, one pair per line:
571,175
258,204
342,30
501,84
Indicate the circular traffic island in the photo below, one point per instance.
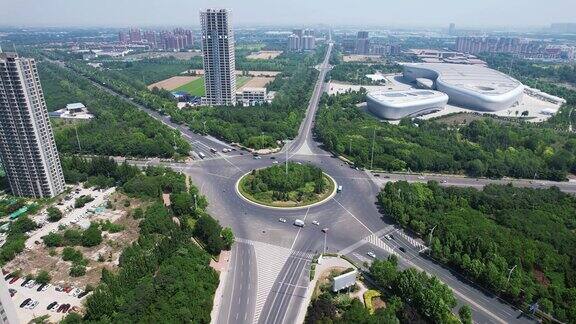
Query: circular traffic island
302,185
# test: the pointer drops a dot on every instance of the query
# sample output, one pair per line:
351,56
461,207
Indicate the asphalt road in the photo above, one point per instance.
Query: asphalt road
270,263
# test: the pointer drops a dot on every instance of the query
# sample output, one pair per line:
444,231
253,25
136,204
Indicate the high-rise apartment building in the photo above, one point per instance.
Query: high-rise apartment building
7,308
27,146
219,60
452,29
362,43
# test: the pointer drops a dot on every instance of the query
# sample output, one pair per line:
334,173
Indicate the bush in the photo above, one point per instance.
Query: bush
53,239
368,295
43,277
465,314
71,254
92,236
82,201
54,214
228,237
77,270
73,237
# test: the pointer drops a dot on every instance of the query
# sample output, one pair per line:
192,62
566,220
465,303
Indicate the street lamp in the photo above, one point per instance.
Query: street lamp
510,273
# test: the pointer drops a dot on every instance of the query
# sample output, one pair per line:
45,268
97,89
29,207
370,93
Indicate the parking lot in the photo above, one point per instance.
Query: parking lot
44,298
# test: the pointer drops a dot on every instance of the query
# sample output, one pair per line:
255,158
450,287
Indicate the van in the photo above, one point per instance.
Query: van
299,223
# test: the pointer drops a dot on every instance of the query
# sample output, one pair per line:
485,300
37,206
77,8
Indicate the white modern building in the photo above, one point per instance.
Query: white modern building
72,111
7,308
396,105
27,148
469,86
219,61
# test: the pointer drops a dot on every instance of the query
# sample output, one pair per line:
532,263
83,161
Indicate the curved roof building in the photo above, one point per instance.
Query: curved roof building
406,103
469,86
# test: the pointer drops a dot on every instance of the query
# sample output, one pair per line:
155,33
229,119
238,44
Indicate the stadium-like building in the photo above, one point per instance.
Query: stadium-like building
407,103
468,86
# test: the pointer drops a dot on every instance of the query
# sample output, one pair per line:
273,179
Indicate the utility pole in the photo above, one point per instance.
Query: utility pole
372,158
510,274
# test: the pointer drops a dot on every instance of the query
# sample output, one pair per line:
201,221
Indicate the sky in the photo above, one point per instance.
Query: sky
126,13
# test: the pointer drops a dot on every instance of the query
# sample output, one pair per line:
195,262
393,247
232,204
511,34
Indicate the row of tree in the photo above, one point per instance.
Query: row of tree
518,242
117,129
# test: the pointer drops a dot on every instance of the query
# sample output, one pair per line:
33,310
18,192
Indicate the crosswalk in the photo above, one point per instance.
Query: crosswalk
269,262
377,241
412,241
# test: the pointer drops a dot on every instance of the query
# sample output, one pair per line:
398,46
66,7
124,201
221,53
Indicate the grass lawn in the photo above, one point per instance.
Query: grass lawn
196,87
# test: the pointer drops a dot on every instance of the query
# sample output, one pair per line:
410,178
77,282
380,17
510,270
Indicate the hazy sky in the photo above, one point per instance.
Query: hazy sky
123,13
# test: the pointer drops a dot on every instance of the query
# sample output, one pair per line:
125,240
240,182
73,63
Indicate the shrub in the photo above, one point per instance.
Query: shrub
43,277
54,214
92,236
53,239
77,270
368,295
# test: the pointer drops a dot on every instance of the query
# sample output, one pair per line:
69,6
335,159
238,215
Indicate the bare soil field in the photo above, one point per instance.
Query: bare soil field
173,82
362,58
257,82
264,55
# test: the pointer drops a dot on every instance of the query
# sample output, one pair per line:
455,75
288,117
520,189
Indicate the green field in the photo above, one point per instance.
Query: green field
196,87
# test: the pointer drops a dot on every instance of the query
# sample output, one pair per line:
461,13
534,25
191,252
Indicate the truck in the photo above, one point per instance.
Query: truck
299,223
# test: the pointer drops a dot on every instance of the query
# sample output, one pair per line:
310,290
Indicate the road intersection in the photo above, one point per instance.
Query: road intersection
270,261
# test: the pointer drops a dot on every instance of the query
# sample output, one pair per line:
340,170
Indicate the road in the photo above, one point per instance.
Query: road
270,262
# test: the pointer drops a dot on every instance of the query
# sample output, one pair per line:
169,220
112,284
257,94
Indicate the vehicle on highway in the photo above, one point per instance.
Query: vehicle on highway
213,150
272,158
442,181
325,230
376,174
421,178
388,237
299,223
275,162
201,155
339,189
25,302
401,248
371,254
226,150
257,157
315,222
282,220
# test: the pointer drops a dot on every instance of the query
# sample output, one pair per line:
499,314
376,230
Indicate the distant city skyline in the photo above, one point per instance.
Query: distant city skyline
113,13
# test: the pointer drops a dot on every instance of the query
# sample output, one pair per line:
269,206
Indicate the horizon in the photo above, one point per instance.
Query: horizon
260,13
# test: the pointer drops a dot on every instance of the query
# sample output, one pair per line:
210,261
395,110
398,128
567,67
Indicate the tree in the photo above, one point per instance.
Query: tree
384,271
53,239
465,314
54,214
92,236
43,277
228,237
77,270
181,203
208,230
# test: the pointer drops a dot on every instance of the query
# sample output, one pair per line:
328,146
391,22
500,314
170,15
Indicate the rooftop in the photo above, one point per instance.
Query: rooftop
472,77
405,96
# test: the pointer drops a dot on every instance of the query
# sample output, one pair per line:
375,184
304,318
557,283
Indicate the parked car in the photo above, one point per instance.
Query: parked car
315,222
46,287
12,292
32,305
82,294
67,289
59,288
25,282
325,230
52,305
31,283
282,220
76,292
8,276
25,302
41,287
13,280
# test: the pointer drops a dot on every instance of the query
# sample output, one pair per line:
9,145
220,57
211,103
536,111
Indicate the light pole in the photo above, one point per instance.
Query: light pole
372,158
431,233
286,160
195,203
510,273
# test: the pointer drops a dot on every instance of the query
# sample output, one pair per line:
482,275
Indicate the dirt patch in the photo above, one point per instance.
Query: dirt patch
264,55
173,82
541,277
324,280
378,303
257,82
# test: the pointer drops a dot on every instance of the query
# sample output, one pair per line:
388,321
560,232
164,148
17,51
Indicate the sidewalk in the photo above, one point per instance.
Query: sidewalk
222,268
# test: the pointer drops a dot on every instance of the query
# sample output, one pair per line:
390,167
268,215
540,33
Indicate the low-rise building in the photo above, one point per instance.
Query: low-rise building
251,96
72,111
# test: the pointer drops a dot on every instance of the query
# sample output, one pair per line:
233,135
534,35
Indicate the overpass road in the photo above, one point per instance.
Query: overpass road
269,268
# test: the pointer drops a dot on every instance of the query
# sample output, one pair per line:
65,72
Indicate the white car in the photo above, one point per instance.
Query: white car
31,284
275,162
76,292
315,222
46,287
388,237
282,220
371,254
33,305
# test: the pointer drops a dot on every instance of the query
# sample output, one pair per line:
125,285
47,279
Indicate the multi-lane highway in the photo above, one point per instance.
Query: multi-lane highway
268,272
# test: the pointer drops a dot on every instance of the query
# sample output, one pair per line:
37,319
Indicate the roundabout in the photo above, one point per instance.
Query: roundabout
293,190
